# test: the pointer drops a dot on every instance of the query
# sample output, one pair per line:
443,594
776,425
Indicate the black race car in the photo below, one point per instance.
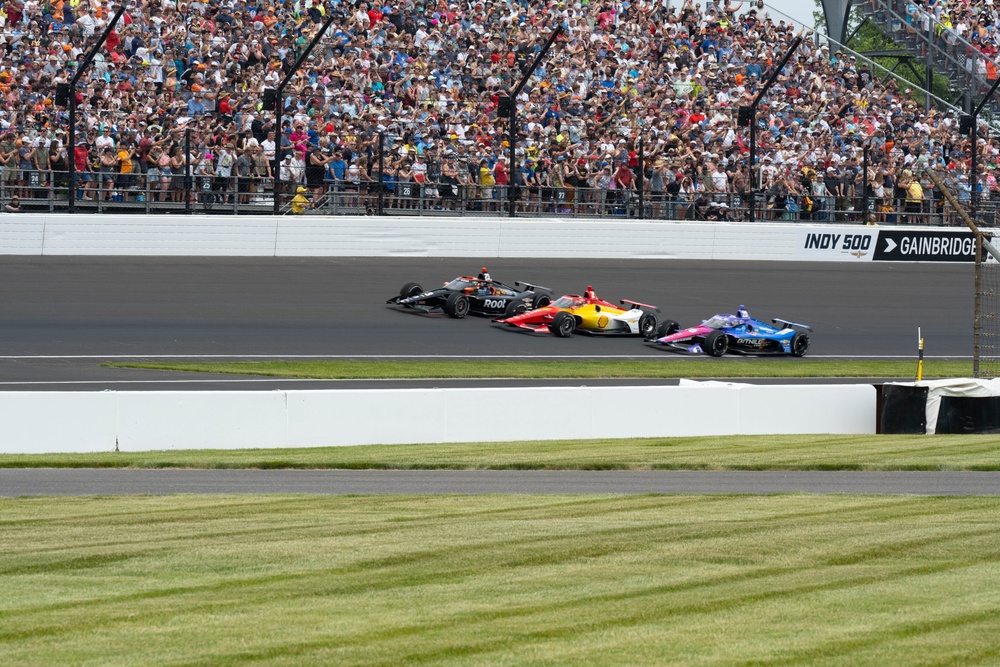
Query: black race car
480,295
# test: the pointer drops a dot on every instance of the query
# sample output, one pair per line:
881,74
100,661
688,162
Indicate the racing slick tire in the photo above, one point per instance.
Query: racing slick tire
515,307
563,324
716,343
410,289
457,305
540,301
666,328
647,325
800,344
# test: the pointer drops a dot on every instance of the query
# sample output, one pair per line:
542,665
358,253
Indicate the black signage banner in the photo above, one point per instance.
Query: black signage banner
898,245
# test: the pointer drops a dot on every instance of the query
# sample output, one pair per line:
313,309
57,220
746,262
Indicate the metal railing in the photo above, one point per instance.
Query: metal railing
141,193
969,70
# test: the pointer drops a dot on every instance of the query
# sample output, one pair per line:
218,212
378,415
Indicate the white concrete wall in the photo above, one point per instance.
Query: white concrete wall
38,422
342,236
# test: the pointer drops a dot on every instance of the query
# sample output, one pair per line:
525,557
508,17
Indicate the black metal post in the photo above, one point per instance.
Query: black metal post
381,173
512,119
639,183
81,68
753,122
974,179
279,92
512,171
864,181
188,179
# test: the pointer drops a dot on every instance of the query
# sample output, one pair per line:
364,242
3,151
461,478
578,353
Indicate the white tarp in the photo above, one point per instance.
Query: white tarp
963,387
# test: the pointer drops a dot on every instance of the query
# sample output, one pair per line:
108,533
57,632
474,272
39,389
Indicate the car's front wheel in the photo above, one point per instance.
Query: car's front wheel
716,343
410,289
666,328
647,325
563,324
515,307
457,305
800,344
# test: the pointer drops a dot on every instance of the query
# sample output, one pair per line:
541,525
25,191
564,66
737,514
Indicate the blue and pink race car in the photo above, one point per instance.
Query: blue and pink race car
738,334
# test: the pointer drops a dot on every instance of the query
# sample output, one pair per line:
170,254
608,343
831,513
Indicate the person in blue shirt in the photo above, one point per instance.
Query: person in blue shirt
195,107
335,173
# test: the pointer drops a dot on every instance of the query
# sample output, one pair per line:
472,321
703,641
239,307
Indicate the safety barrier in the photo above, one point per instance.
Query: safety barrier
364,236
40,422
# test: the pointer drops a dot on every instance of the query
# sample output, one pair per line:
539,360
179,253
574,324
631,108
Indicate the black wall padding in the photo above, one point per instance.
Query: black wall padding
966,414
904,410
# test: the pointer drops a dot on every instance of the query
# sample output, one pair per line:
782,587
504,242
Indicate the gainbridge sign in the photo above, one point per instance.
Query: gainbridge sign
867,244
898,245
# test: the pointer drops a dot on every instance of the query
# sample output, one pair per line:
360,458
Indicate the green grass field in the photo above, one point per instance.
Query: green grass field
669,366
500,580
782,452
514,580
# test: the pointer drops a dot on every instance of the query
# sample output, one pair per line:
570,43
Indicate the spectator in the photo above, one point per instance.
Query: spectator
430,74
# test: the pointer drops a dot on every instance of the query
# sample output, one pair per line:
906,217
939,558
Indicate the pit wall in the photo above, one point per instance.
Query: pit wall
67,422
343,236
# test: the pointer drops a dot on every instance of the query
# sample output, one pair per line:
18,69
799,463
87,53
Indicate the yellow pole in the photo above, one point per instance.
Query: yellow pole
920,356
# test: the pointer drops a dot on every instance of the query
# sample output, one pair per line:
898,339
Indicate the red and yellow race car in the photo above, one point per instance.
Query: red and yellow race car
587,314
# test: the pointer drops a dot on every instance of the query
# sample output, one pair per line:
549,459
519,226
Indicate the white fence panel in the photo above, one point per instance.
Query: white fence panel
835,408
201,420
52,421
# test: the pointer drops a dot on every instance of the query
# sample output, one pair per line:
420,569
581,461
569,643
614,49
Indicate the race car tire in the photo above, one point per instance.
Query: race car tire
457,305
666,328
800,344
515,307
647,325
410,289
716,343
563,324
540,301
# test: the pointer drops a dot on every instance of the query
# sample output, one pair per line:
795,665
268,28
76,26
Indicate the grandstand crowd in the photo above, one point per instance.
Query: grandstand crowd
429,77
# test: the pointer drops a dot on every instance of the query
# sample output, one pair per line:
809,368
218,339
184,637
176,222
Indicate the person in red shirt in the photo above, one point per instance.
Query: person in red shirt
623,177
225,106
501,178
81,156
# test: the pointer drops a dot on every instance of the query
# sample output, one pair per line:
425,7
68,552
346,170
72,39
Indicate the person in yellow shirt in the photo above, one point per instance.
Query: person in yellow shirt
300,202
125,155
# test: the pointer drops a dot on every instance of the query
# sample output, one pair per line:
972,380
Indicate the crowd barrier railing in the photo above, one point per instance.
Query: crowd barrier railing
46,192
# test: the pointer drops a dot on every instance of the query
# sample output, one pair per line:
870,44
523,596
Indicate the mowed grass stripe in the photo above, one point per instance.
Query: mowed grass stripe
667,366
500,580
761,452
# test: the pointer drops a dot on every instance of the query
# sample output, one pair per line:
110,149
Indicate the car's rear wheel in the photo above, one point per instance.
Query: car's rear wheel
563,324
457,305
541,300
647,325
716,343
666,328
800,344
410,289
514,308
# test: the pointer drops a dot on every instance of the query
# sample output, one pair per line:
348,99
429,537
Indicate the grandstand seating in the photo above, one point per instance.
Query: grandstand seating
427,77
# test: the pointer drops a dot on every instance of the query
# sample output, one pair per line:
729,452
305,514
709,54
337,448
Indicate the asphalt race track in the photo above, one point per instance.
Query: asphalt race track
32,482
60,317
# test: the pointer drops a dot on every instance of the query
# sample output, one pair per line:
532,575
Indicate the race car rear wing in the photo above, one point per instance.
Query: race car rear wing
636,303
791,325
531,286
